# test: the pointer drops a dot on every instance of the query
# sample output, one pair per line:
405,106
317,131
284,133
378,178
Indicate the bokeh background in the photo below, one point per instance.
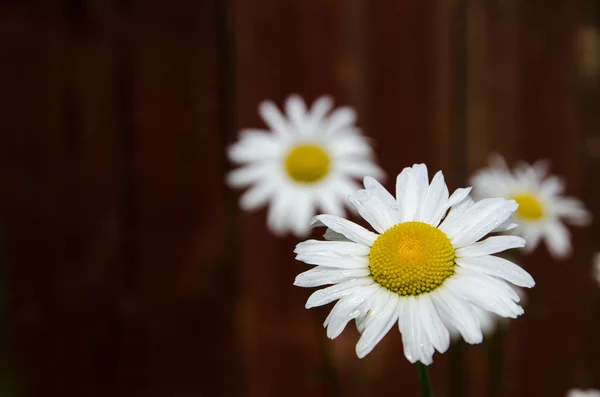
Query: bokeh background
127,267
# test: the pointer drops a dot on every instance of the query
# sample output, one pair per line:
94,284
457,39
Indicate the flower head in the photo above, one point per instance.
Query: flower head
542,206
309,158
583,393
423,268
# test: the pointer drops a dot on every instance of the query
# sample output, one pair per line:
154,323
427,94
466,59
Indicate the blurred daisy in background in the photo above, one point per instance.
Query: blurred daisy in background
596,267
308,159
542,206
583,393
423,268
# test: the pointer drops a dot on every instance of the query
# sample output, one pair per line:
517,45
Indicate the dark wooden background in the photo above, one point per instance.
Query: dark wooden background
128,268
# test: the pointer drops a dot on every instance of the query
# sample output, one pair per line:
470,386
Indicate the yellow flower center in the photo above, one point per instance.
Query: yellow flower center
307,163
411,258
530,207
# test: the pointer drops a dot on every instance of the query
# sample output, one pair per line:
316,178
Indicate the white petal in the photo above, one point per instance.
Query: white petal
337,291
321,275
498,267
573,211
274,119
279,211
295,109
552,186
411,183
532,234
458,196
491,245
257,195
383,317
302,214
505,226
254,145
349,229
327,200
249,174
375,208
451,224
331,235
360,169
319,109
558,239
348,308
417,346
371,184
331,259
432,323
339,119
459,313
337,247
486,295
433,204
481,219
351,145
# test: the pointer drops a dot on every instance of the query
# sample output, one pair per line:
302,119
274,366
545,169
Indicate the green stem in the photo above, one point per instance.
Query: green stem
424,380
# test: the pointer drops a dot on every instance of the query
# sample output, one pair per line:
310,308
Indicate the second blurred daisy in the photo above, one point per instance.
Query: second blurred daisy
542,206
309,158
596,267
583,393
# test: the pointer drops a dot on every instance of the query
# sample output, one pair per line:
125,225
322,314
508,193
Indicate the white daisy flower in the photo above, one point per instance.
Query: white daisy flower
422,268
542,207
583,393
309,158
596,267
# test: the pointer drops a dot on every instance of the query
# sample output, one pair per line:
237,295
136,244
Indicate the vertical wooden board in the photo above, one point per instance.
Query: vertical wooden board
60,201
31,176
409,114
491,127
588,374
501,85
548,122
283,48
185,282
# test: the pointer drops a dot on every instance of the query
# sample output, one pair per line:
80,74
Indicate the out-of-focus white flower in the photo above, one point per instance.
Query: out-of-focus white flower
309,158
542,206
424,268
583,393
596,267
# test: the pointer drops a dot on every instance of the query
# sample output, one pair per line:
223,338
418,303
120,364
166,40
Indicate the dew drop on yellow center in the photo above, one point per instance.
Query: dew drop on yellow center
307,163
411,258
530,207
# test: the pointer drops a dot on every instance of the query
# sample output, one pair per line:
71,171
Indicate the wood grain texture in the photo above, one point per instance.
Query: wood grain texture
61,199
184,276
283,48
131,270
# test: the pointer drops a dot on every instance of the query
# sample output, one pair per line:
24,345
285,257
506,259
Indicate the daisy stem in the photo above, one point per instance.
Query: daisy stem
424,380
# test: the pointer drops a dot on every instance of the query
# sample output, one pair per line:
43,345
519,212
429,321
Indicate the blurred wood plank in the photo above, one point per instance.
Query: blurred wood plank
409,114
549,129
185,282
283,48
61,197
